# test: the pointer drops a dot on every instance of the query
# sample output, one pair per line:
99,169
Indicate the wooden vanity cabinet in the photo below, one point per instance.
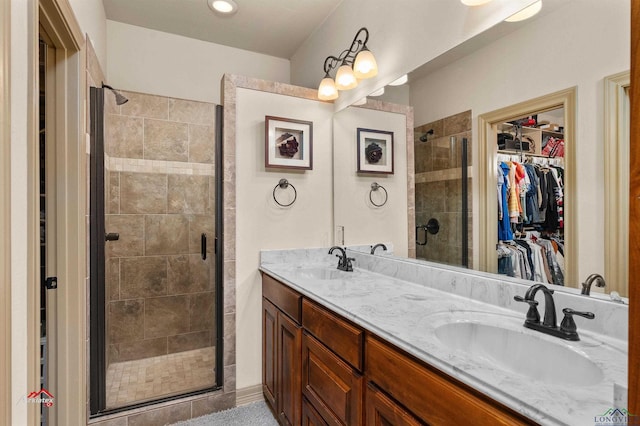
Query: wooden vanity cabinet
320,369
429,394
383,411
281,349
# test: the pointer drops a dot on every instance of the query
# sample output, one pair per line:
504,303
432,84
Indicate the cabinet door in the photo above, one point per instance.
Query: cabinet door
310,416
383,411
330,384
289,353
269,356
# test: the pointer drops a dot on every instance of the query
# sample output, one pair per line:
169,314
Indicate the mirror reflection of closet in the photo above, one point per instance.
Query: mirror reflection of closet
530,172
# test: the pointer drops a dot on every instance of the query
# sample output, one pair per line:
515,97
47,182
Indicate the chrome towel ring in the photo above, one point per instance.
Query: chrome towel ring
374,187
284,184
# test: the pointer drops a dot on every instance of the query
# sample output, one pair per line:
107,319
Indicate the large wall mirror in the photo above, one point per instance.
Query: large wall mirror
567,49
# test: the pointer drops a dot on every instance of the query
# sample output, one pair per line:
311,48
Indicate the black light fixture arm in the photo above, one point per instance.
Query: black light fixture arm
347,56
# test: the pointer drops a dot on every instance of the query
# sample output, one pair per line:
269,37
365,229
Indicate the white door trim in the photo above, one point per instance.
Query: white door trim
616,171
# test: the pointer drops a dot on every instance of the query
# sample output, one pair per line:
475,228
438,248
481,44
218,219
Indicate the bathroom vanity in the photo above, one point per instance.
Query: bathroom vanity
380,345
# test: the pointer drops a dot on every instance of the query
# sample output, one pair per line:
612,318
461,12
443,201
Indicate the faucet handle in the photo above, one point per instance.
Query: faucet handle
532,313
348,265
568,325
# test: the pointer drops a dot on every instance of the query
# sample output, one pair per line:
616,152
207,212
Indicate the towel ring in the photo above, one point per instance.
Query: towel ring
375,187
284,184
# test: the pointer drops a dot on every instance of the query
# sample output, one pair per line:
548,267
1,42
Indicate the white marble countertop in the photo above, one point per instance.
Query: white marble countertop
407,315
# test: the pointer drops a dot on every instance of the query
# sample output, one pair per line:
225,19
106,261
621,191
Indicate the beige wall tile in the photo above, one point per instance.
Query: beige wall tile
113,192
189,274
189,341
112,278
125,137
131,230
148,106
202,311
162,416
165,140
126,321
212,404
120,421
166,234
201,144
457,123
187,194
166,316
143,277
140,349
143,193
191,112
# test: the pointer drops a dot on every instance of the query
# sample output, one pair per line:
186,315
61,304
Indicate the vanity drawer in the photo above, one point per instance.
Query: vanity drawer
343,338
432,396
332,387
287,300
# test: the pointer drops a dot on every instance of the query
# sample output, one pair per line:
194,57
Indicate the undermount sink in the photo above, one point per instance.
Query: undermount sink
519,352
321,273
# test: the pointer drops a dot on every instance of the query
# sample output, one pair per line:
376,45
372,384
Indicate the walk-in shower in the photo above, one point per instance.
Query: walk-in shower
155,224
442,196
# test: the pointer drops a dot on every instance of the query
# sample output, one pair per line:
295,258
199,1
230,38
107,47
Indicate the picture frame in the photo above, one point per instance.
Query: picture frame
375,151
288,143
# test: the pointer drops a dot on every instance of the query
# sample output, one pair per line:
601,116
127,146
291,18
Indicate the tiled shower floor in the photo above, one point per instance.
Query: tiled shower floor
131,382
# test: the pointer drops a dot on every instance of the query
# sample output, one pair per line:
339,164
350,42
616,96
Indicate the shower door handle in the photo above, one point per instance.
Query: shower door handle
112,236
203,246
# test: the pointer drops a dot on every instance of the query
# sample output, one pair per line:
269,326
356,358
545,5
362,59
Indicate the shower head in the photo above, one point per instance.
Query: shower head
425,137
120,98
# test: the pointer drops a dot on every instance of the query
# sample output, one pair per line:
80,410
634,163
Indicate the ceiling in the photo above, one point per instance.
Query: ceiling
272,27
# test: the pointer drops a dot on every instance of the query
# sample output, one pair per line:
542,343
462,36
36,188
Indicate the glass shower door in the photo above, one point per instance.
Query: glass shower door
160,328
442,190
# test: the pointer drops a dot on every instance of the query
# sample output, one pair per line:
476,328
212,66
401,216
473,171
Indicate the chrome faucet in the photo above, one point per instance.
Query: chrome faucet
567,329
344,263
373,248
586,285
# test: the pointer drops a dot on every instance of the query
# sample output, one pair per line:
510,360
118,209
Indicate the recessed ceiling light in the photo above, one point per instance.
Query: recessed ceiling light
525,13
399,82
223,7
474,2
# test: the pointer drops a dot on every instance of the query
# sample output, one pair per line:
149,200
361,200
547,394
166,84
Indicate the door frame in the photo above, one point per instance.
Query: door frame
5,213
487,176
56,19
616,171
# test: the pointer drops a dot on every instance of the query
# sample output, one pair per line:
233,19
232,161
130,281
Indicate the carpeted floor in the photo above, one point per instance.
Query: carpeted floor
255,414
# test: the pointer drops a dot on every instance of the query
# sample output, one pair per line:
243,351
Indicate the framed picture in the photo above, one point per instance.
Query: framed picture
375,151
288,143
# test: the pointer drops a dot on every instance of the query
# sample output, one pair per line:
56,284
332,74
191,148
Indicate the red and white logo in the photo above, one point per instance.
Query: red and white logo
42,396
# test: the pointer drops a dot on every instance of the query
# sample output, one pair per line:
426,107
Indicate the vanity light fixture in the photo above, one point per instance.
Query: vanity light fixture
223,7
399,82
355,63
526,13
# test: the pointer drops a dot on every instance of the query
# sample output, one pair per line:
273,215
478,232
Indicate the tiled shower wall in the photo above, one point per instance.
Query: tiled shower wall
159,155
438,180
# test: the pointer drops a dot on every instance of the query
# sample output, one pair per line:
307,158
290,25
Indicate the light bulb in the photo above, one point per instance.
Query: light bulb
365,65
345,78
327,90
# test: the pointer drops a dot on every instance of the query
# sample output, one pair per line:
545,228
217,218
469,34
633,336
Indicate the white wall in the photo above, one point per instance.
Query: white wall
363,222
403,36
578,45
260,223
164,64
92,19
